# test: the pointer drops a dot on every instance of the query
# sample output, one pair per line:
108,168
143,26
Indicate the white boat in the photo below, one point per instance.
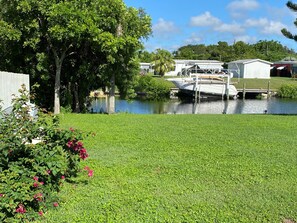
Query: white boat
206,85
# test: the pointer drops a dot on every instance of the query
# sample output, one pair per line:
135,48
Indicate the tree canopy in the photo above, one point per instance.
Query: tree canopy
269,50
162,61
71,46
292,6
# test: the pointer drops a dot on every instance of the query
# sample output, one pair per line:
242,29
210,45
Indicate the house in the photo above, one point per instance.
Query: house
284,68
10,83
250,68
180,65
146,68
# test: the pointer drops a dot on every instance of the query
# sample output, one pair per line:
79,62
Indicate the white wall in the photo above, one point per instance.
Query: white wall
257,70
10,83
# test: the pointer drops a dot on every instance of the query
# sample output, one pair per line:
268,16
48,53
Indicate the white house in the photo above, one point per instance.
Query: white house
146,68
203,64
10,83
250,68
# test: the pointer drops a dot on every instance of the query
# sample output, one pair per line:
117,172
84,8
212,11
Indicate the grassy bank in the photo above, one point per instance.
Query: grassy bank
184,168
274,82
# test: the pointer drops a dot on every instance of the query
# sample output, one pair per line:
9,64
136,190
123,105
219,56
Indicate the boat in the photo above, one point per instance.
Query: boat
205,83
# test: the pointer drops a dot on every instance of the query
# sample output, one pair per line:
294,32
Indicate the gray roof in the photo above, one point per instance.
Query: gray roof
246,61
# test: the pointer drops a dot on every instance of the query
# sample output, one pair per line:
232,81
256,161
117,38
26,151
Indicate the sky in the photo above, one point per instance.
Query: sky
177,23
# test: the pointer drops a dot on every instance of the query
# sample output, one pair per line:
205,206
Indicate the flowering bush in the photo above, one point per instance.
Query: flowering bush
30,173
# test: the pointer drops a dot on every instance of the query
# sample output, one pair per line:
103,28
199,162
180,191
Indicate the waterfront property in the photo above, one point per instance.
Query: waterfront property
250,68
10,83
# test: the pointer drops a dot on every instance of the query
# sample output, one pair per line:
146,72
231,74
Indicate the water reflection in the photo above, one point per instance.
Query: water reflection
252,106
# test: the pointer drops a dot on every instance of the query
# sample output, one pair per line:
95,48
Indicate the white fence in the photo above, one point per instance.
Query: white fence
10,83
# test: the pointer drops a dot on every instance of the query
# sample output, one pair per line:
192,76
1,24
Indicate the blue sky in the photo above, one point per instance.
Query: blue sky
178,23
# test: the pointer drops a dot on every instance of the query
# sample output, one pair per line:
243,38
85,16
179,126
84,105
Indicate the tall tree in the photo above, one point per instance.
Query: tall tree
163,61
59,30
292,6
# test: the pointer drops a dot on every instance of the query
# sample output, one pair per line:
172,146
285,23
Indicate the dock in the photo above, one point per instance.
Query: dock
253,93
242,92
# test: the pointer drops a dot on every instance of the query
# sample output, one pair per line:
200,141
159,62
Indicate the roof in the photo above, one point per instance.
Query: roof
198,62
246,61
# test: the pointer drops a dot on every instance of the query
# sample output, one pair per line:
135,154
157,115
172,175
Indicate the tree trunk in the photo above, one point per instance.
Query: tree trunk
58,62
76,98
57,89
111,96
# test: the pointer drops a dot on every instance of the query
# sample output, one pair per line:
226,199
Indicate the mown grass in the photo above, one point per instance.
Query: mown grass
274,83
254,83
184,168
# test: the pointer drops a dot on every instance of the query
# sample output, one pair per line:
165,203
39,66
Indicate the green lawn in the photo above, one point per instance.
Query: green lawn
184,168
275,83
255,83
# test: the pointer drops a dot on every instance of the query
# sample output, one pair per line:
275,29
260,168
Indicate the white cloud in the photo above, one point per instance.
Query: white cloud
243,5
256,22
193,39
205,19
273,28
246,39
230,28
266,26
239,8
164,28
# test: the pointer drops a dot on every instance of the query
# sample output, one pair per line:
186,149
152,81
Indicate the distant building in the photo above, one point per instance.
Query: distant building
10,83
180,65
146,68
250,68
284,68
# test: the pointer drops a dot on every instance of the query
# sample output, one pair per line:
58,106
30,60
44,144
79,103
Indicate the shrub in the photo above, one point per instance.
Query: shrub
35,158
287,91
153,88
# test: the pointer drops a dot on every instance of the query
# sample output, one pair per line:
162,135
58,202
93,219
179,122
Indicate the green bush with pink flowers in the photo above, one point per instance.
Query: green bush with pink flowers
36,156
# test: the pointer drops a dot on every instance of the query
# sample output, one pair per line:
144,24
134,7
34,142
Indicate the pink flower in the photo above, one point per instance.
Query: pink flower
83,154
1,195
35,184
35,178
90,174
40,213
55,204
21,209
38,196
41,183
48,171
62,177
69,144
71,129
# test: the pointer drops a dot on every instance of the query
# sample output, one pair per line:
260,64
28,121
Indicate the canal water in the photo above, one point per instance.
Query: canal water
239,106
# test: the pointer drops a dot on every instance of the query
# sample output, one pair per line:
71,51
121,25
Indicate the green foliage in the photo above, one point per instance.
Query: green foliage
71,47
263,49
292,6
153,88
163,62
35,158
287,91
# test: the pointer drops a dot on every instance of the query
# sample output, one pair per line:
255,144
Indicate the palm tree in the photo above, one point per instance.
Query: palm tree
163,62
